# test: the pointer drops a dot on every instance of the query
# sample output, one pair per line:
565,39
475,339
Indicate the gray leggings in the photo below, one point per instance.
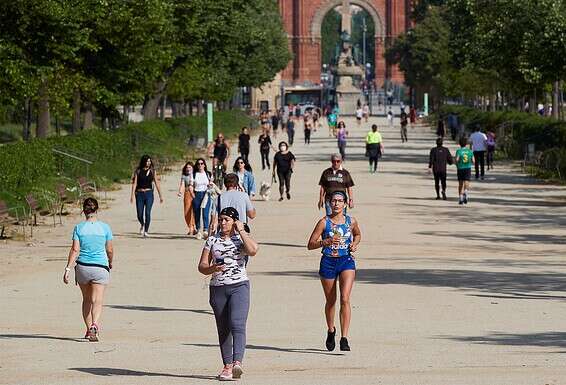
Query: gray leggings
231,304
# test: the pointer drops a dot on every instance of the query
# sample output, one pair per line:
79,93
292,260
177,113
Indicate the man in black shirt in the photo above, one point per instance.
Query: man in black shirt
244,144
439,157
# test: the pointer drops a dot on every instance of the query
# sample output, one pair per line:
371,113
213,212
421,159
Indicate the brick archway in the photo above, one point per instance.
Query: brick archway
303,22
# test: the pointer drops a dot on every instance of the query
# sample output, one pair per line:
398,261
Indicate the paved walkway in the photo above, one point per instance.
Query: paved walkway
444,294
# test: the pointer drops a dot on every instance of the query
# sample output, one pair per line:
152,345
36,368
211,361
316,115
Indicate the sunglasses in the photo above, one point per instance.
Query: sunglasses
199,163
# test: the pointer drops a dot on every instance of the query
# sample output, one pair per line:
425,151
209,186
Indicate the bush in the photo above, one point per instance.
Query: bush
521,128
33,166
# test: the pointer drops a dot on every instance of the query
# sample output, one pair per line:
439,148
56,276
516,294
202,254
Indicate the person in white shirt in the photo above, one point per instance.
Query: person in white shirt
479,146
359,115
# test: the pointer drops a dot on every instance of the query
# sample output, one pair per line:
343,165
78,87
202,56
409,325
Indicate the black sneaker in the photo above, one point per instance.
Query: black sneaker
281,199
344,344
437,198
288,196
330,342
443,196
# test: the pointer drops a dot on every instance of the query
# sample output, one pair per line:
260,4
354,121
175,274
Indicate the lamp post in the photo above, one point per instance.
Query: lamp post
364,30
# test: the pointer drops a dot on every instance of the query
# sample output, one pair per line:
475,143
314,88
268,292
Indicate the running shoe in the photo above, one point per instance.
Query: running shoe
330,342
87,334
146,234
466,198
93,333
237,370
141,230
460,201
437,198
205,235
344,346
199,235
288,196
443,196
281,199
226,374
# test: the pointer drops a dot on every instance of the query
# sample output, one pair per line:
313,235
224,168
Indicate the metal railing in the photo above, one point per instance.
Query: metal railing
69,154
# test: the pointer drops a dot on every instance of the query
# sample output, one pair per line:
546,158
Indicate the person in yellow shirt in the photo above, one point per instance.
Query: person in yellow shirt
374,148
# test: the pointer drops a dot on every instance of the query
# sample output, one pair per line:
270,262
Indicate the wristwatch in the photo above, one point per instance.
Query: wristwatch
67,269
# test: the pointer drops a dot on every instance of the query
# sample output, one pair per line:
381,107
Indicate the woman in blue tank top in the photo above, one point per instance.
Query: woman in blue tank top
338,236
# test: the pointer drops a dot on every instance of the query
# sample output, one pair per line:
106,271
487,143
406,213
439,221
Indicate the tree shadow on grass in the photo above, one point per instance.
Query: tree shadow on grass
108,372
546,339
276,349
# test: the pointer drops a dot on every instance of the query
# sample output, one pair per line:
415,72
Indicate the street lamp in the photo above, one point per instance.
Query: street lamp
364,30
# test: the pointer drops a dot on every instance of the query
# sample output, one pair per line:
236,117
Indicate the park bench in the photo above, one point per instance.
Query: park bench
35,208
9,216
86,188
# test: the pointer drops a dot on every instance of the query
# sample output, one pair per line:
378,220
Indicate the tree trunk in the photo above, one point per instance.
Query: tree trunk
152,102
162,109
88,117
43,118
190,103
26,134
493,102
555,104
175,109
199,107
76,124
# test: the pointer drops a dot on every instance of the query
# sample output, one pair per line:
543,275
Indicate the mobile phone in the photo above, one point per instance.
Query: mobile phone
219,261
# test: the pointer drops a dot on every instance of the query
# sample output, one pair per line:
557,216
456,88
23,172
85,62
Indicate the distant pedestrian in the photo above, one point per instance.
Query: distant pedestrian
366,112
186,190
283,167
390,118
264,145
244,144
359,115
490,149
335,178
144,179
479,147
93,253
374,148
225,257
275,118
341,136
464,162
291,131
202,182
308,127
439,157
332,118
440,128
233,197
412,116
404,122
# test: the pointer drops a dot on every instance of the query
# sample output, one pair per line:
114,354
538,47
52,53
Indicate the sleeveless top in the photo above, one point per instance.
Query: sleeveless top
345,231
220,150
145,179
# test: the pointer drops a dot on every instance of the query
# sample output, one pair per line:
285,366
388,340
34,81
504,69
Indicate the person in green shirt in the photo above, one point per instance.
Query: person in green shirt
464,162
374,148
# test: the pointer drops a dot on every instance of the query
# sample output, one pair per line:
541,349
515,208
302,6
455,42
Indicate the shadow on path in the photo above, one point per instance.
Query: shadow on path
283,245
547,339
157,308
276,349
510,284
40,336
136,373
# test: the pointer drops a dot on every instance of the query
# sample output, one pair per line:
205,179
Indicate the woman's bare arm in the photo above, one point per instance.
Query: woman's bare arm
315,240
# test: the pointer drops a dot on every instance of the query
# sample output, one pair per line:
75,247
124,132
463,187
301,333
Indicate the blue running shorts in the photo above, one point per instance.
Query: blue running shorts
331,267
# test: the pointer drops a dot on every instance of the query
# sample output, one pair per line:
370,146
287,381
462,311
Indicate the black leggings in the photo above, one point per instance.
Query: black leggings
373,161
307,136
284,181
265,159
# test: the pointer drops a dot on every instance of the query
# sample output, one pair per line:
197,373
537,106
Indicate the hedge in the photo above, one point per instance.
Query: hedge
521,128
34,167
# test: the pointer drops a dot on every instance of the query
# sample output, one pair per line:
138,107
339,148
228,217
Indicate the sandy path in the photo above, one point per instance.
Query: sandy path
444,294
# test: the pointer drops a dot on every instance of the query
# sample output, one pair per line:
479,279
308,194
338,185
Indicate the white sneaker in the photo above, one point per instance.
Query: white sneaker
141,230
205,234
146,234
225,375
199,235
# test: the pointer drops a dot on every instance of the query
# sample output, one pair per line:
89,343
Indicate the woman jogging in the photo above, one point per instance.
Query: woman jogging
339,236
245,177
283,165
187,192
202,181
143,180
224,256
92,244
341,135
308,126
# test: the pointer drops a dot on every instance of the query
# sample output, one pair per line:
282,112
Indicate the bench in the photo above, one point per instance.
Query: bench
9,216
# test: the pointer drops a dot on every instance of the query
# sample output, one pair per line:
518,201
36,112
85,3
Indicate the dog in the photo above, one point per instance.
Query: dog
265,191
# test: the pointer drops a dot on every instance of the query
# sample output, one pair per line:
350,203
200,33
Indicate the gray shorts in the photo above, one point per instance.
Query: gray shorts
91,274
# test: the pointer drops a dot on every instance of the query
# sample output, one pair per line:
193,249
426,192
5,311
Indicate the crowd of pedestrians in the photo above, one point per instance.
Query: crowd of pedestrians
220,210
